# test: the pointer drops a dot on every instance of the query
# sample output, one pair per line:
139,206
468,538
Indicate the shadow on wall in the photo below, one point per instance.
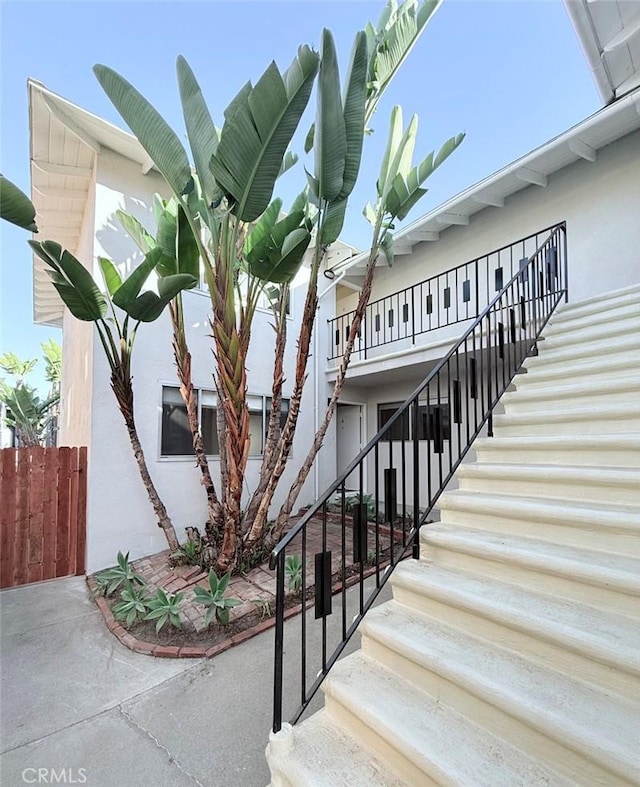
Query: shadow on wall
116,243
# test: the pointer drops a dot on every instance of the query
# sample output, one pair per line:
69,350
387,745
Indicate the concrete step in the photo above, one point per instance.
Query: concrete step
597,368
575,391
559,327
621,450
427,741
573,727
569,354
592,484
598,304
592,420
629,326
592,644
595,577
610,527
318,753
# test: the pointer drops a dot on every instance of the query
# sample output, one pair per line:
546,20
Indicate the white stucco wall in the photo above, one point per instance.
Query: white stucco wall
77,357
120,516
600,203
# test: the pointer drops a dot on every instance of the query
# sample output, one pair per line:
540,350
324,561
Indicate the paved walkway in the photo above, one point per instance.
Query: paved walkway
74,698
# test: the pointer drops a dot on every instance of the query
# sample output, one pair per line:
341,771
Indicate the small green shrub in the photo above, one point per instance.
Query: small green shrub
110,580
352,501
134,604
293,573
164,608
192,552
213,598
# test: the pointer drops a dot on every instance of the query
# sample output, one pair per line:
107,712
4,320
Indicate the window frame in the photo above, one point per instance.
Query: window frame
407,420
201,392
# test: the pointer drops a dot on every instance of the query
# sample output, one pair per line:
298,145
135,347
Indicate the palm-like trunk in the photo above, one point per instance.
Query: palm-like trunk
121,385
285,443
183,365
296,487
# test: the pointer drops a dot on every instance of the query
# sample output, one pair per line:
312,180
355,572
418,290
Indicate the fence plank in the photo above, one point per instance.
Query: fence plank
73,509
8,485
50,513
43,497
21,537
36,515
82,512
62,539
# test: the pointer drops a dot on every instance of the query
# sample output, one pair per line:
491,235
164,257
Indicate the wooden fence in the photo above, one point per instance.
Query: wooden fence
43,496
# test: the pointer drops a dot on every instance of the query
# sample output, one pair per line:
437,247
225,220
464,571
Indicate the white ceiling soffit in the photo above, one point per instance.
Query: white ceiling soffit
64,141
581,142
609,32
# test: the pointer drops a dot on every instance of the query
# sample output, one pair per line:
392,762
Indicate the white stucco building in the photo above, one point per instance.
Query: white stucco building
84,169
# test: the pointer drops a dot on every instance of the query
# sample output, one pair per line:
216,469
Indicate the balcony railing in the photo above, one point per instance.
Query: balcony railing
453,296
405,468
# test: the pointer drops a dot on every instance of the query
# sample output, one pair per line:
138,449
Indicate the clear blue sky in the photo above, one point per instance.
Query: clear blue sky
510,74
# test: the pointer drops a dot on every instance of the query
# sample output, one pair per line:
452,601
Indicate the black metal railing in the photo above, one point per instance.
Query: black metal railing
453,296
356,540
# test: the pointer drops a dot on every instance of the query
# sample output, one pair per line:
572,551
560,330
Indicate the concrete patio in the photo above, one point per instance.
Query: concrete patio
74,698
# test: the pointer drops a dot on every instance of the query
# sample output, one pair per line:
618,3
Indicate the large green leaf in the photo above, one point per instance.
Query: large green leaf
397,32
152,131
354,109
72,280
126,295
263,226
201,131
16,207
277,256
330,144
110,275
139,235
187,248
405,191
333,221
259,124
148,306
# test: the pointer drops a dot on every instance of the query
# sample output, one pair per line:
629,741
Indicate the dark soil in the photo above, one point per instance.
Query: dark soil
145,631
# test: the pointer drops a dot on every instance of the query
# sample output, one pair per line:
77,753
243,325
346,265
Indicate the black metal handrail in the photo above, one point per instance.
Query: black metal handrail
410,461
448,298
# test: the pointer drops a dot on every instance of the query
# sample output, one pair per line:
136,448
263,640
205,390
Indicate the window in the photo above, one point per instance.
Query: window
433,422
175,439
400,429
176,435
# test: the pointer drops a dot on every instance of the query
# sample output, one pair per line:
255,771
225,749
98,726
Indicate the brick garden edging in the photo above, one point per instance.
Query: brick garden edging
200,651
177,651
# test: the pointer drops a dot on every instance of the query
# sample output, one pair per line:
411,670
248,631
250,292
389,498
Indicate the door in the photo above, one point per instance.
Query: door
349,433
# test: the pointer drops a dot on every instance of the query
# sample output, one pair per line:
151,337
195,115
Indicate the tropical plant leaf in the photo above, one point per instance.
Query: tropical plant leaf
201,131
263,226
110,275
259,124
16,207
333,221
386,244
152,131
290,160
330,144
187,248
138,234
354,109
405,192
72,280
397,32
278,255
126,295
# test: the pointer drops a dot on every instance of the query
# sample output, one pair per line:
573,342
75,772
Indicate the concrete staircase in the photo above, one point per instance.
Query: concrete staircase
510,653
